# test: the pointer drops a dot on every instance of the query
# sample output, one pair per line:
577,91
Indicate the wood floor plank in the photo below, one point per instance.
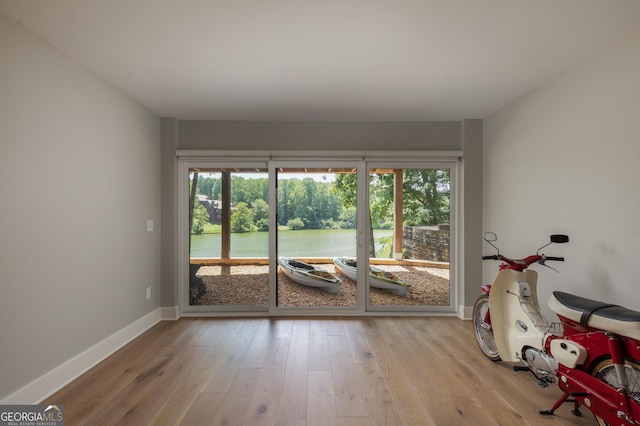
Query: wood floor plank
263,406
319,357
354,421
290,423
234,405
349,400
321,400
335,326
257,351
282,327
105,380
201,411
185,391
226,355
357,332
392,362
139,402
445,410
378,400
293,397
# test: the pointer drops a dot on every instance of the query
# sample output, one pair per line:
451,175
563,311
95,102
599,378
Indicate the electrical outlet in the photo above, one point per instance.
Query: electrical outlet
148,293
150,225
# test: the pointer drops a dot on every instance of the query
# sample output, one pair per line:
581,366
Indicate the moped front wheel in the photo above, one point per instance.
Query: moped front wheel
482,328
605,371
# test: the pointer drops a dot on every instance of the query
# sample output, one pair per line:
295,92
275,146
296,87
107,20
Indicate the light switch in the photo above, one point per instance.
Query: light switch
149,225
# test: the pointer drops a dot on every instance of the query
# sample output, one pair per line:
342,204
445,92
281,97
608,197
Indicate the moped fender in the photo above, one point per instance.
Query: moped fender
567,352
600,398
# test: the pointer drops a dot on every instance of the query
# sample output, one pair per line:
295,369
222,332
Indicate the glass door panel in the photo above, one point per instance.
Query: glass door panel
229,237
409,250
316,222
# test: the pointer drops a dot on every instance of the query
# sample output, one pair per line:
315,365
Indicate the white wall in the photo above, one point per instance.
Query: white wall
565,159
79,177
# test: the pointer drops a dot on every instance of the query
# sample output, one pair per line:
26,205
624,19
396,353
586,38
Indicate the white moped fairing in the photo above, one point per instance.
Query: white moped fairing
516,319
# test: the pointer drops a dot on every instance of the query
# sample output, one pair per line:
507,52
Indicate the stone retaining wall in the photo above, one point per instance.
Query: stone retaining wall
426,242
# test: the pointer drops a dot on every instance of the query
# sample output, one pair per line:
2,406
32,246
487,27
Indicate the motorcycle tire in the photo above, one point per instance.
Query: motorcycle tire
605,371
482,330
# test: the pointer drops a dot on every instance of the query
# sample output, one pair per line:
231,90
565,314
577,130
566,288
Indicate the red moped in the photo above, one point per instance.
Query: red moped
592,353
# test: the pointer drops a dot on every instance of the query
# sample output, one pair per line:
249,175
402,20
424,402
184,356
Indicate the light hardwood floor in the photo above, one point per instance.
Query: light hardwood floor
308,371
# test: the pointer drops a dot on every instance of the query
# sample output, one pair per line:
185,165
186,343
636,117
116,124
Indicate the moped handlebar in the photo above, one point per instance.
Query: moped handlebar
499,257
492,257
522,264
559,259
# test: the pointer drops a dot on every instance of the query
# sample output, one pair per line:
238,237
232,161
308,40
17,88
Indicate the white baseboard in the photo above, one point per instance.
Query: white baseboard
170,313
47,384
466,311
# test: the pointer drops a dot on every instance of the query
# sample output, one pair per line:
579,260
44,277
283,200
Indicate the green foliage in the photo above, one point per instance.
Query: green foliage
425,196
345,186
243,190
311,201
295,224
348,218
262,225
260,210
241,220
384,245
426,200
211,228
385,225
200,218
330,224
381,198
309,204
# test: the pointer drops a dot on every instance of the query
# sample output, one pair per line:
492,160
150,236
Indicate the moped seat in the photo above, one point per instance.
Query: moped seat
592,313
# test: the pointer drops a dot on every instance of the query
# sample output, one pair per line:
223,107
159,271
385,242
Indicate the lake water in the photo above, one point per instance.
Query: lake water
303,243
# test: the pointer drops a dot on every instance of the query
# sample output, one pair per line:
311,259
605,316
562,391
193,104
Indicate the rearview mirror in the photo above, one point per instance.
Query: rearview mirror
559,238
490,236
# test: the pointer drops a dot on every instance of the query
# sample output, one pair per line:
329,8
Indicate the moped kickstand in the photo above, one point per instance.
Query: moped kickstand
565,398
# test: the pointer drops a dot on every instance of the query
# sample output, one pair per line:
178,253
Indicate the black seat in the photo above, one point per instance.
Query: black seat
590,307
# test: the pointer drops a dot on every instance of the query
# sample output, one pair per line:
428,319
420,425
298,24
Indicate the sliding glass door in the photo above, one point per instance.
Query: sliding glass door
410,207
323,236
316,223
228,237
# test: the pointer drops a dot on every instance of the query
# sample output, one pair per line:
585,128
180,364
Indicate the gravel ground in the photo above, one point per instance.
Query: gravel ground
248,285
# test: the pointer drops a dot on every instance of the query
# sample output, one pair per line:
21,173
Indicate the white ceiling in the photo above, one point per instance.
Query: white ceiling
329,59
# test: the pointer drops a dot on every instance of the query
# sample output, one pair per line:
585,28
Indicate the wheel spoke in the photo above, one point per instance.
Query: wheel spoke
482,329
606,372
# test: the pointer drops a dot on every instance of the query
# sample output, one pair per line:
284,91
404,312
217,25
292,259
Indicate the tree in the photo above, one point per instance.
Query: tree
381,199
260,213
295,224
200,218
426,200
346,185
241,220
348,218
192,201
260,210
311,201
205,185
